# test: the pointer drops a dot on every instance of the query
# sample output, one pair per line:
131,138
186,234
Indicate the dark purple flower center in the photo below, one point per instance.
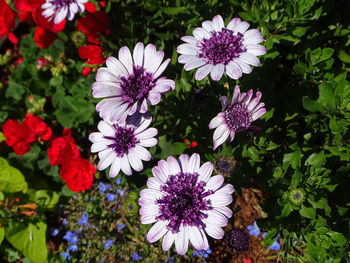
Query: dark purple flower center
237,239
238,117
123,140
184,201
137,85
62,3
222,47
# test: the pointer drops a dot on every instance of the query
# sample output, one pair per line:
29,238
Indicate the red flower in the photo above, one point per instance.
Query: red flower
93,26
43,37
62,148
25,9
7,19
37,127
194,144
248,260
90,7
77,173
102,3
86,71
92,53
20,136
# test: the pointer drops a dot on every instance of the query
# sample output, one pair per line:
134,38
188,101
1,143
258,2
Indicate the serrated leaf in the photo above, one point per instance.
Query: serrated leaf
311,105
316,159
14,90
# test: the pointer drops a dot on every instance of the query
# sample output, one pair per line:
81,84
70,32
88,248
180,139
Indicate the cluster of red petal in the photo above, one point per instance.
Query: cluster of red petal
77,173
46,31
20,136
93,25
190,144
7,22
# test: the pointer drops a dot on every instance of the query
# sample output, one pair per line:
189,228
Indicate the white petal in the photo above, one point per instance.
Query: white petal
106,75
152,58
245,68
256,50
116,67
195,63
217,71
252,36
161,68
159,174
138,54
124,56
233,70
214,182
150,194
187,49
189,39
61,15
157,231
135,162
143,106
168,240
216,218
208,25
203,72
149,133
254,101
257,114
195,237
226,189
181,241
214,231
236,94
148,219
153,183
200,33
249,59
141,152
98,146
232,23
106,129
153,97
106,161
224,210
241,27
143,125
164,85
150,142
125,166
224,102
183,162
105,89
219,131
218,23
221,140
115,167
216,121
173,165
194,163
219,199
205,172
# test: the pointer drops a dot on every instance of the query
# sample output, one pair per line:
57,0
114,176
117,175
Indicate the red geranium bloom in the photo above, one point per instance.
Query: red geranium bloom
92,53
93,26
37,127
43,37
62,148
86,71
78,173
20,136
7,22
25,9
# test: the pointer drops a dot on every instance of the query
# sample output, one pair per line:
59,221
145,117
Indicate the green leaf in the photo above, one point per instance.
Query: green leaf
337,237
72,112
175,10
307,212
44,198
2,137
326,94
311,105
29,239
2,234
316,159
14,90
287,209
11,179
293,159
345,57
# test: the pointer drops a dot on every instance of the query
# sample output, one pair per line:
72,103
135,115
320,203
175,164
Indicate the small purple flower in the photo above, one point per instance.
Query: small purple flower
73,248
236,116
135,257
108,244
54,231
84,220
122,146
205,253
121,226
216,48
254,230
120,192
111,197
71,237
60,9
65,255
185,201
130,83
102,187
117,181
275,245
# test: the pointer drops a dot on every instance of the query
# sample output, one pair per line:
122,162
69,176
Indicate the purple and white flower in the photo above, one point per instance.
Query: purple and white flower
131,82
216,48
236,116
121,146
60,9
186,203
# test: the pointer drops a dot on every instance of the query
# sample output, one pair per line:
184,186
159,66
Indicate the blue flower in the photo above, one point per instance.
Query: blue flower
254,230
111,197
65,255
108,244
64,221
136,256
102,187
121,226
195,253
118,181
83,220
71,237
54,231
73,248
120,191
275,245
